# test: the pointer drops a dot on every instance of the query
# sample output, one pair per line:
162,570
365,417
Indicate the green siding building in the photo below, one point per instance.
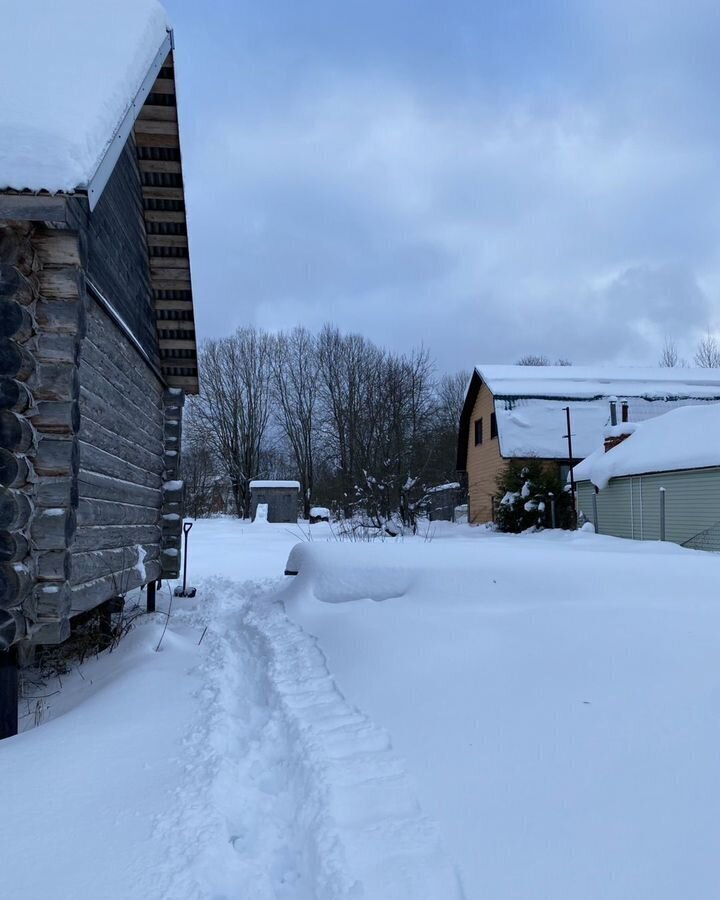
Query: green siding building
657,480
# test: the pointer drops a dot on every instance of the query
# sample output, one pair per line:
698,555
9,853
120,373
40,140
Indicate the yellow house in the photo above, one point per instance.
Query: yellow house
519,412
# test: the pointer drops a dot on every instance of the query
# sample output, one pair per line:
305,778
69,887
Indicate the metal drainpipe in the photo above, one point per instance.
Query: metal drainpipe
595,512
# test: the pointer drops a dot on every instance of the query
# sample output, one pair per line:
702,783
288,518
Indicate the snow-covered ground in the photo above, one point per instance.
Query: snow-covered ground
480,716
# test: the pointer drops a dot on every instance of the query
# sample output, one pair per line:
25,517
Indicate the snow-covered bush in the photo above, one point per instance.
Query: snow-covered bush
526,491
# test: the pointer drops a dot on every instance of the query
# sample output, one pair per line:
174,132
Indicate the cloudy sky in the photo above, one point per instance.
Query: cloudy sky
489,178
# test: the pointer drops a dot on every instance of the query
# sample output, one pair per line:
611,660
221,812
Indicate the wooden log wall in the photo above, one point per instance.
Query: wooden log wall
90,439
172,496
118,538
41,292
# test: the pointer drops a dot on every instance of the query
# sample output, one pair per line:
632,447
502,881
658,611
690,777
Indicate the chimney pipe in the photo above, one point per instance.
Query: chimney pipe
613,411
625,412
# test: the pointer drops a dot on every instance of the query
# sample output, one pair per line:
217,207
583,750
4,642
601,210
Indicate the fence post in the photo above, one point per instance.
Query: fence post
553,520
595,513
662,513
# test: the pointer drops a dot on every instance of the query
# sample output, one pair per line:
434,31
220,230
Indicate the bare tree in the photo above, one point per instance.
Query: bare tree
451,391
540,360
199,465
707,355
531,359
235,405
296,386
669,356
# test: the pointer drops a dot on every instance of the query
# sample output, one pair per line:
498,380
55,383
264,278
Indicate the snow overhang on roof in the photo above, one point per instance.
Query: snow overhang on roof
530,403
588,382
685,438
94,61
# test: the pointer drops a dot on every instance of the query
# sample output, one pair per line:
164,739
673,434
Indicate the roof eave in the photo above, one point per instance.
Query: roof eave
97,183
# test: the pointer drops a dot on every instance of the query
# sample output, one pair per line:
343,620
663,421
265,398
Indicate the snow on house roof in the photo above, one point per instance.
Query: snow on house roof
684,438
587,382
533,427
70,71
275,484
530,402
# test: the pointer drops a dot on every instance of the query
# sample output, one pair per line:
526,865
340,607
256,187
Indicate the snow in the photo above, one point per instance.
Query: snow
686,438
173,486
320,512
532,427
530,402
548,693
274,484
592,382
140,563
483,716
59,113
449,486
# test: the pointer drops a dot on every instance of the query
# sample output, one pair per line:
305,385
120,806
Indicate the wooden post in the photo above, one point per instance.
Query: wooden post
150,588
104,618
8,693
662,513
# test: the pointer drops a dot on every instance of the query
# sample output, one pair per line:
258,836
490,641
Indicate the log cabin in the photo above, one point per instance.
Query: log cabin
97,334
519,412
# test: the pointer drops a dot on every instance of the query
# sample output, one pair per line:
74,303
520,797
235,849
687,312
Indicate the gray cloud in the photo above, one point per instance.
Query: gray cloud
571,222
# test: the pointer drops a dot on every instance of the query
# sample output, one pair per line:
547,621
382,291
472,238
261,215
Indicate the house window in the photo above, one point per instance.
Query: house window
478,432
493,425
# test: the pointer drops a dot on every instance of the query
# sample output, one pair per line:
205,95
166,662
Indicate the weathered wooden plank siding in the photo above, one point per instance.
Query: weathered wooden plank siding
116,249
484,462
118,538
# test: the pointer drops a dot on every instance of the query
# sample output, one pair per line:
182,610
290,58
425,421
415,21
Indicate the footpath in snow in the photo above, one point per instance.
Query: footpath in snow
463,717
225,765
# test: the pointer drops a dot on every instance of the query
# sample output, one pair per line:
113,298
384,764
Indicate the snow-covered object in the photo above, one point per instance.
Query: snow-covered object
449,486
140,564
320,512
274,484
686,438
622,429
530,402
69,73
261,514
590,382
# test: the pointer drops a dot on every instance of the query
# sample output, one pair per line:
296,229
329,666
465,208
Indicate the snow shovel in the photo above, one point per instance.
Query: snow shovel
185,591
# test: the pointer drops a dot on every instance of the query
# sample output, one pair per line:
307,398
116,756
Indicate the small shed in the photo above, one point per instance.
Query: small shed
281,497
657,480
97,334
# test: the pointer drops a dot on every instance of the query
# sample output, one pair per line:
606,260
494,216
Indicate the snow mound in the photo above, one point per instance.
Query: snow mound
339,573
69,73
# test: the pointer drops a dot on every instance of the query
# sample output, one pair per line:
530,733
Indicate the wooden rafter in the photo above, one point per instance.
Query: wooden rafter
158,148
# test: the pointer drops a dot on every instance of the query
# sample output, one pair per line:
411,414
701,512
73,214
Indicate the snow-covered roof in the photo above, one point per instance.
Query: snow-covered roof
530,402
70,72
587,382
533,427
684,438
275,484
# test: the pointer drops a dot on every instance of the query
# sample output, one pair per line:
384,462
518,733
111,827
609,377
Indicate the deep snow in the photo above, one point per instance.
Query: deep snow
534,716
58,116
